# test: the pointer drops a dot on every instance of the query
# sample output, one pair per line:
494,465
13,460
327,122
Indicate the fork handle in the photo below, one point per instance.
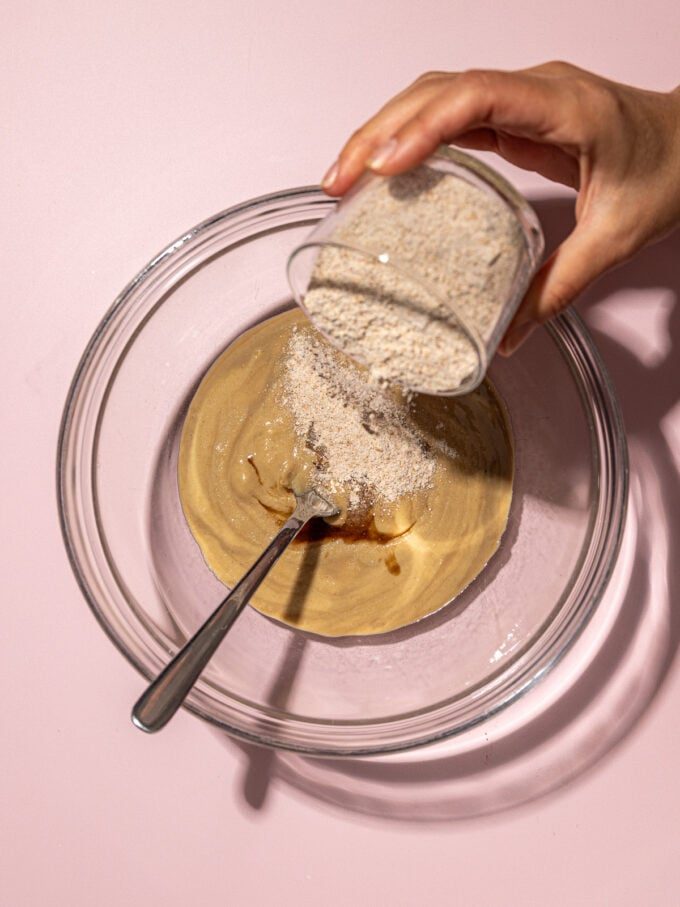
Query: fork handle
167,692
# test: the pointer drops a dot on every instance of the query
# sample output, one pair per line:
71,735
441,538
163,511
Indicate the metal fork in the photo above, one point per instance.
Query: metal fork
167,692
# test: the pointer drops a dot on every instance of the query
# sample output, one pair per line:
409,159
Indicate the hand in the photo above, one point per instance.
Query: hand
618,146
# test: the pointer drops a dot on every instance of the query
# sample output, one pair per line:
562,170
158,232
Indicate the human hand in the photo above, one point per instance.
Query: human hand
618,146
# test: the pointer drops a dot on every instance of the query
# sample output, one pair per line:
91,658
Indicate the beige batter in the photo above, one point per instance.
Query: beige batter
240,458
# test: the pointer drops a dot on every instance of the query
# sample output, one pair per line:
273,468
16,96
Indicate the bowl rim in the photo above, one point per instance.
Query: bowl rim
569,329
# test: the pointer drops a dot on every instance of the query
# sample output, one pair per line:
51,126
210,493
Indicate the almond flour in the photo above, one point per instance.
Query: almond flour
462,246
366,442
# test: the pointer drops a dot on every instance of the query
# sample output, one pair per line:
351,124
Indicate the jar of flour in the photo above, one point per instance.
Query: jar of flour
417,276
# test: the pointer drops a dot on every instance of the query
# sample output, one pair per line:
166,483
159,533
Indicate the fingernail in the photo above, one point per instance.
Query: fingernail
382,154
331,175
516,337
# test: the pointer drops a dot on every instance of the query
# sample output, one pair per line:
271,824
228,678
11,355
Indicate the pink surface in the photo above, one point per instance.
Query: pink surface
122,126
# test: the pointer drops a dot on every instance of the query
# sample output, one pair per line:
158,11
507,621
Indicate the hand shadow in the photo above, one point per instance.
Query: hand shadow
649,391
631,663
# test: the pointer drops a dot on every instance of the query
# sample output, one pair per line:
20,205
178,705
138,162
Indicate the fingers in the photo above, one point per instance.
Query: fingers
552,162
517,104
442,108
585,255
378,130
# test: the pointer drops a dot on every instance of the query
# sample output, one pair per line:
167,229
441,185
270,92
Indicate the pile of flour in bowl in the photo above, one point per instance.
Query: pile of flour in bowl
366,438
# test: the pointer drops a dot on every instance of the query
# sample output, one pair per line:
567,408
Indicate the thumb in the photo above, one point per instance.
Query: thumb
582,258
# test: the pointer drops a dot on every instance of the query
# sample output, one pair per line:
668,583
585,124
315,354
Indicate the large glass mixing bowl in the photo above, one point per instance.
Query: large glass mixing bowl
143,575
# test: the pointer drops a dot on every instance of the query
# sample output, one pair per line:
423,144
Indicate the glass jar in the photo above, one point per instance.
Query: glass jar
417,276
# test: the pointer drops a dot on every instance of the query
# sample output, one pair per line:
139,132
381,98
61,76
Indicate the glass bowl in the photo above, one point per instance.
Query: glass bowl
145,580
405,260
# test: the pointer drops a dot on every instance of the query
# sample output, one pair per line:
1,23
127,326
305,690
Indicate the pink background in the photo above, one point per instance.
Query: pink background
124,124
